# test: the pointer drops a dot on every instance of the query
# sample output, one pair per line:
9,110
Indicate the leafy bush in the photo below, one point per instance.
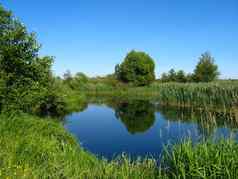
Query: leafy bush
25,78
206,69
138,68
173,76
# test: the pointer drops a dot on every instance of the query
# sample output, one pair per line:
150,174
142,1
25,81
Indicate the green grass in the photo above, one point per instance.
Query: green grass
205,160
220,94
33,147
40,148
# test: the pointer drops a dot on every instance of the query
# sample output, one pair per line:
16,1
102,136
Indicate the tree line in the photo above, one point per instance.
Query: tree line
205,71
138,68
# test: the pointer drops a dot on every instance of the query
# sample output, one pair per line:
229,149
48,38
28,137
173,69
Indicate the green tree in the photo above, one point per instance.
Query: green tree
79,81
206,69
173,76
165,77
181,76
138,68
26,78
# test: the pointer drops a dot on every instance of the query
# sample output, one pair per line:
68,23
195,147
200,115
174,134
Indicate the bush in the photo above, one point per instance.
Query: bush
173,76
25,78
206,69
138,68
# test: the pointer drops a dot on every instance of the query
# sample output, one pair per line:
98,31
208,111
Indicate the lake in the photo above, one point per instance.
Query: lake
142,128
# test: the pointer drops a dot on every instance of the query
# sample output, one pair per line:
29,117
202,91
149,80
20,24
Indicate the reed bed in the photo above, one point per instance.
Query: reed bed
222,95
206,160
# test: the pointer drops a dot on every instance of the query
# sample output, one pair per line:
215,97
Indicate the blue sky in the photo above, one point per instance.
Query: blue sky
92,36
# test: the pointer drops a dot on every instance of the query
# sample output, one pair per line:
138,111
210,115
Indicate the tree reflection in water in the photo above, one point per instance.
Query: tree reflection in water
137,115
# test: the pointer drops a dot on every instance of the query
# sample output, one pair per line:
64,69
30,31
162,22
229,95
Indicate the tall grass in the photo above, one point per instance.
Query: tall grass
37,148
222,95
205,160
218,94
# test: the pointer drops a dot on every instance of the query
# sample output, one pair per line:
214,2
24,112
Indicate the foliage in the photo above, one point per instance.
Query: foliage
75,82
138,68
173,76
26,78
222,95
206,69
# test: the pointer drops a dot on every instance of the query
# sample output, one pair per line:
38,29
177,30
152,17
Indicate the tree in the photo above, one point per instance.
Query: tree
26,78
181,76
164,77
138,68
206,69
117,72
68,78
79,81
173,76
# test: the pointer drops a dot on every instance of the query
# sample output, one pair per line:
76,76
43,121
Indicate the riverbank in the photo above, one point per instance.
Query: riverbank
219,95
33,147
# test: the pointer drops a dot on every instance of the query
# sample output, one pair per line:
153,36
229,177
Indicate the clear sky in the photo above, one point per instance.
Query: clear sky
92,36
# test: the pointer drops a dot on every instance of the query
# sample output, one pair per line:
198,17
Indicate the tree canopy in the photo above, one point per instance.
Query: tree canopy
206,69
26,78
137,68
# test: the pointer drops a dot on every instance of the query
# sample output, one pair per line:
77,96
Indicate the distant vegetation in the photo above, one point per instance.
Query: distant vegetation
138,68
220,94
206,71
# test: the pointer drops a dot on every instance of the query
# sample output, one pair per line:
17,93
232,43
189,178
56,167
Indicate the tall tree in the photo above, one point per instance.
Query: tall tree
26,78
206,69
138,68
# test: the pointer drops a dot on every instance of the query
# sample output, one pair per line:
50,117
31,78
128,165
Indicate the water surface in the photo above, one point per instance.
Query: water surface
142,128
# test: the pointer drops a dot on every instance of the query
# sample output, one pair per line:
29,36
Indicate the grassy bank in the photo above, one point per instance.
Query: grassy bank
32,147
40,148
221,94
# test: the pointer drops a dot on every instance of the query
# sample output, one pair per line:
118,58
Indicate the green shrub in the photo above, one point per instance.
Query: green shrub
25,78
138,68
206,69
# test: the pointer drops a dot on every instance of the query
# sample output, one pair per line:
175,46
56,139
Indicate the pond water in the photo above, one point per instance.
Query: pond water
142,128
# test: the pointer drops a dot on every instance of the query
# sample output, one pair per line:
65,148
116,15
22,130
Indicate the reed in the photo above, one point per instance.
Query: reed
222,95
205,160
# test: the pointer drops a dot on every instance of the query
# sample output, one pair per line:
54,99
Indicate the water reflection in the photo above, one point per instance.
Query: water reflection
111,126
207,121
138,116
